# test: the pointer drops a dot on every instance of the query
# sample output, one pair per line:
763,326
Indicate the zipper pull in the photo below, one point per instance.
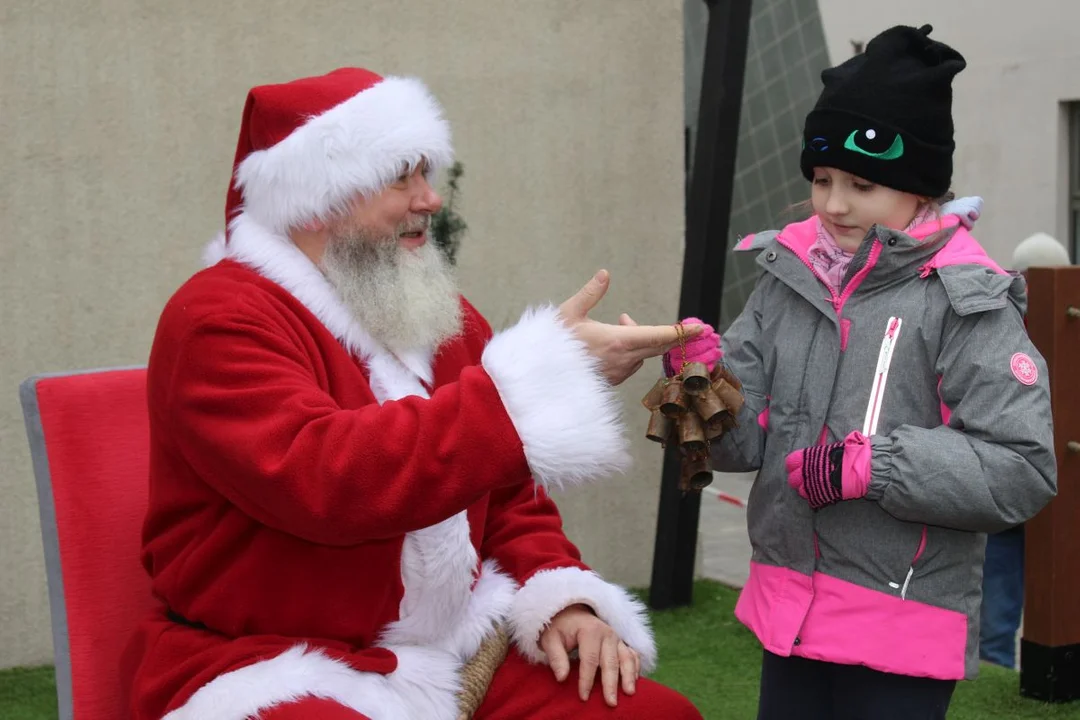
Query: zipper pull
887,342
907,581
883,358
887,345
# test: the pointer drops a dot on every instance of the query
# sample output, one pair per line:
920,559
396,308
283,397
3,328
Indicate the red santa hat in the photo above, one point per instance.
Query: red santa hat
309,146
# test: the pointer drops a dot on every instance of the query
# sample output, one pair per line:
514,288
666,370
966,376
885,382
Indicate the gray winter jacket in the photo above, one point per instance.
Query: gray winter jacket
963,444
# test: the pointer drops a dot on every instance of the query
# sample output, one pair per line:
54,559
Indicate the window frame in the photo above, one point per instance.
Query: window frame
1074,179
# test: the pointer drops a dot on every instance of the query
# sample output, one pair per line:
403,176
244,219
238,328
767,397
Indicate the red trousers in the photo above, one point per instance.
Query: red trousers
522,691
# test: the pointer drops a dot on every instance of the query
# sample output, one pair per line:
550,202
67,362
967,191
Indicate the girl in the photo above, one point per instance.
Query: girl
895,407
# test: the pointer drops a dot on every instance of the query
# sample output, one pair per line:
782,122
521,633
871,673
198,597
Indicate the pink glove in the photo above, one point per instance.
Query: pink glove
705,348
826,474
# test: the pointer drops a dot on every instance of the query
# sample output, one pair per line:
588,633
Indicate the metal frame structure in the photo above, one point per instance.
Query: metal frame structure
708,215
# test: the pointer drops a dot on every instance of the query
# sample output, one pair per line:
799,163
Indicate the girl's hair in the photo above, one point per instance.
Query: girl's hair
801,210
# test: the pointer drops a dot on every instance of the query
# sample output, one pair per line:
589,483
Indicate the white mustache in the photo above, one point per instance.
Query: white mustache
418,227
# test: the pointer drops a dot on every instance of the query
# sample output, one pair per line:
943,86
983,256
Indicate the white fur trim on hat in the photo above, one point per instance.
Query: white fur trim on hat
358,147
1039,250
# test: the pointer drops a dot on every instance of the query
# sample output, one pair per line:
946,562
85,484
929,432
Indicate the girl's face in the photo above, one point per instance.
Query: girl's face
848,206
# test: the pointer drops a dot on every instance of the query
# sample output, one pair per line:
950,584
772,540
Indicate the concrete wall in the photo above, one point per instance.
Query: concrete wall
118,124
1023,62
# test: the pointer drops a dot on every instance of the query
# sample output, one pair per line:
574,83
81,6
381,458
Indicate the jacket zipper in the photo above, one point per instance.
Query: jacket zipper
837,301
833,298
873,415
881,376
857,278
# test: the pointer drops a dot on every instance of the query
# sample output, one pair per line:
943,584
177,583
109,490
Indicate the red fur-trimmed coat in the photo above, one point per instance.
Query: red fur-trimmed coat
346,522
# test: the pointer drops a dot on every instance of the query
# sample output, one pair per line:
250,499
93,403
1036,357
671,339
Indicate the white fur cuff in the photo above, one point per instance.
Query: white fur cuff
566,414
550,591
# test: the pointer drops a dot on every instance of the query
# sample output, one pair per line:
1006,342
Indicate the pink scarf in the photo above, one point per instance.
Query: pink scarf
831,263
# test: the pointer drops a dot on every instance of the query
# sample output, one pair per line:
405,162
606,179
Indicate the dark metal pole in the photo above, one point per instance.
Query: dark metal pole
708,213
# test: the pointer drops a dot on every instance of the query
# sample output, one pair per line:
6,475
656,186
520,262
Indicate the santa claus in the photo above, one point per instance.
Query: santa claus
349,473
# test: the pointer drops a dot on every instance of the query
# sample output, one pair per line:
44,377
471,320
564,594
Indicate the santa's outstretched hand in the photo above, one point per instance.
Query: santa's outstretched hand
620,349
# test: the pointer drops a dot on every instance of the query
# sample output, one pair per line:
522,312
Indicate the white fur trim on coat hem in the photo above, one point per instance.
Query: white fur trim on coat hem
548,592
566,414
424,685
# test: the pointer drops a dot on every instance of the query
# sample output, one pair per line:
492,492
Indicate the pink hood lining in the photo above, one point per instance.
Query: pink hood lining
961,249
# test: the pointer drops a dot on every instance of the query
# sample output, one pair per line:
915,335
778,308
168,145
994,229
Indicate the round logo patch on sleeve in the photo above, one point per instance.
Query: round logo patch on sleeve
1024,369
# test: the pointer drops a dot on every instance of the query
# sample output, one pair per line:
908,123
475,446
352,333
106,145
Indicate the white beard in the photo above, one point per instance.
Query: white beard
405,299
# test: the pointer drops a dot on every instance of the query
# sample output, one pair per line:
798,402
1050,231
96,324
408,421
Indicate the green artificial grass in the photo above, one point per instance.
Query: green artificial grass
708,656
705,654
28,694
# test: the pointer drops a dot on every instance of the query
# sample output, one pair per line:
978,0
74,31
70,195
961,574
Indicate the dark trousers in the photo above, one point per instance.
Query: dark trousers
794,688
1003,596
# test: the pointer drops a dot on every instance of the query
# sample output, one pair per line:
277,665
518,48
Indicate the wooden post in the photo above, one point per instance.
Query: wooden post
1050,647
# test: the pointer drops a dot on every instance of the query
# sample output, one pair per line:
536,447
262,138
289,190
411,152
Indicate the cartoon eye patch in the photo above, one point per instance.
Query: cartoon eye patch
867,142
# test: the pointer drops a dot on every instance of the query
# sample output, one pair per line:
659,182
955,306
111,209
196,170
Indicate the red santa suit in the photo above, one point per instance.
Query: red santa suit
328,518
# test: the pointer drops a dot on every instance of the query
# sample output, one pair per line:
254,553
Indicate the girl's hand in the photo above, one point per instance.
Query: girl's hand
705,348
827,474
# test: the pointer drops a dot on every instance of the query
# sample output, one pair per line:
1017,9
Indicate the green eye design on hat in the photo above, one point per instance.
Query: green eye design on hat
870,138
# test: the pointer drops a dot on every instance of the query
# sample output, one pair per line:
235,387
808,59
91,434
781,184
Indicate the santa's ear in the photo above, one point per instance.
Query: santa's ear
313,225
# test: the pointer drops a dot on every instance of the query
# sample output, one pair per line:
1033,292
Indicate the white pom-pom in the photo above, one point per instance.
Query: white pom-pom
215,251
1039,250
